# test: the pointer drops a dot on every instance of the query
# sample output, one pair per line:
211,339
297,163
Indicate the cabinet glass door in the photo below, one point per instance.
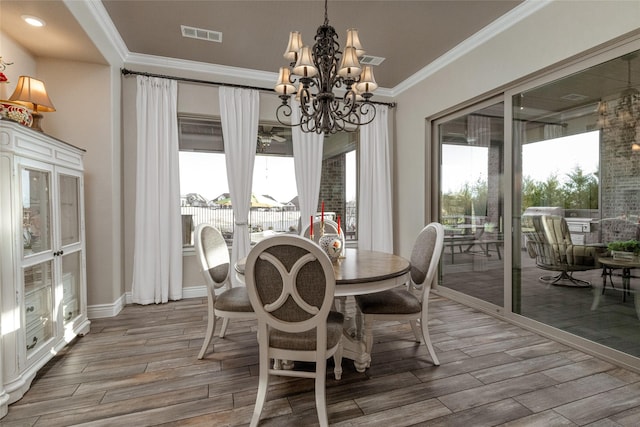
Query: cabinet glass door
71,278
38,308
69,209
36,211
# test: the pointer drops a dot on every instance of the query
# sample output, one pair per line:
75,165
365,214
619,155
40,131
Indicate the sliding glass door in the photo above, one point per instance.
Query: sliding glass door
577,159
471,201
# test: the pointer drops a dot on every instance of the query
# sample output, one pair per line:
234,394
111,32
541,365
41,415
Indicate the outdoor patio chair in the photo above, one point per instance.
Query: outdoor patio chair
549,242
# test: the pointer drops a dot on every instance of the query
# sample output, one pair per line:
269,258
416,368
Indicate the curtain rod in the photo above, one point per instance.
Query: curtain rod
126,72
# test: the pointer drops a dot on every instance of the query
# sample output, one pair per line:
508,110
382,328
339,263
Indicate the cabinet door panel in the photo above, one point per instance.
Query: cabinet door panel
69,187
71,280
36,210
38,303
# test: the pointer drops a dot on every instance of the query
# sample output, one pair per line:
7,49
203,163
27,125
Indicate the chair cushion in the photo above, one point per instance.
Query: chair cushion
307,340
394,301
234,299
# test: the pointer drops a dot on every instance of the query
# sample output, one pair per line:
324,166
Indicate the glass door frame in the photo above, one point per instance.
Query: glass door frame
433,198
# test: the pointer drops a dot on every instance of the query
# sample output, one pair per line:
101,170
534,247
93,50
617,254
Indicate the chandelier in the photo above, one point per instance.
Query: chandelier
319,71
626,113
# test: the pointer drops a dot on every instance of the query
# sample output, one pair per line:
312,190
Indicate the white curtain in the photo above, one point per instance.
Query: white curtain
157,256
239,114
375,205
553,131
307,159
478,130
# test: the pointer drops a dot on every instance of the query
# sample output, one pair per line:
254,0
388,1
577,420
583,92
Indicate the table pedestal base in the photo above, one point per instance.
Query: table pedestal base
354,349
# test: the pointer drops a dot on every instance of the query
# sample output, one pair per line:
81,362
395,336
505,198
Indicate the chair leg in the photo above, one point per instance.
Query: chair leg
223,329
211,326
424,324
416,330
321,400
263,385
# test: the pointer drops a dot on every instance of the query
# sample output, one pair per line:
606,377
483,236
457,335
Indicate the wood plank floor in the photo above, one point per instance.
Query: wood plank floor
140,369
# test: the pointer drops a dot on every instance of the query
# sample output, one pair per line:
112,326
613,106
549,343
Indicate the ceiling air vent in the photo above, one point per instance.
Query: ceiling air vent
201,34
574,97
371,60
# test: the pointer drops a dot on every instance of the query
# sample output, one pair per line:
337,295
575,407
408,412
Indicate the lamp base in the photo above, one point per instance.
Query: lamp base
37,118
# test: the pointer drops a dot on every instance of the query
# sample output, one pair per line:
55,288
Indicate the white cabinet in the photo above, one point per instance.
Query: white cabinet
42,254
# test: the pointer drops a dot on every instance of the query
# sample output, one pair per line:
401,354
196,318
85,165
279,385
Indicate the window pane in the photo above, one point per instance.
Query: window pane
274,204
471,203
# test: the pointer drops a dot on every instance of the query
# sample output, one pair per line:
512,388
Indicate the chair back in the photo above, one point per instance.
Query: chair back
290,281
546,236
426,254
213,255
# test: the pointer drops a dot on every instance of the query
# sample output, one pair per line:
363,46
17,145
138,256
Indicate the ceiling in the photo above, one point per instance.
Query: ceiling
408,34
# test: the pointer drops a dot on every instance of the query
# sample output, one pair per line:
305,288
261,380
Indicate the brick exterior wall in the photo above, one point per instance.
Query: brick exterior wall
620,173
332,185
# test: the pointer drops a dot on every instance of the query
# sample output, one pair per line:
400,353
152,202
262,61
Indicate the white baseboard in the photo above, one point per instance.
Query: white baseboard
106,310
112,310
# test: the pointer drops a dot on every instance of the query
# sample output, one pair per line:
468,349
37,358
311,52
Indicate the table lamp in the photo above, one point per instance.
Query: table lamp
31,93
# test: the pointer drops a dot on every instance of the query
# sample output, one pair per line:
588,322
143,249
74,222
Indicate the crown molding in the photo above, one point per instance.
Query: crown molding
96,22
257,78
517,14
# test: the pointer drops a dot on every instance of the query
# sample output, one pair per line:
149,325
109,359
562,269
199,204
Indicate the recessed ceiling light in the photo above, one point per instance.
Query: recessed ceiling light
34,21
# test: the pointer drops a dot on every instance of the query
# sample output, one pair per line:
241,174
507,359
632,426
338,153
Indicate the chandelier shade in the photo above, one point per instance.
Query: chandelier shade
332,87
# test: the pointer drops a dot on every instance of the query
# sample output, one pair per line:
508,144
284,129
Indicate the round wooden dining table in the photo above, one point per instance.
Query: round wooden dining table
359,272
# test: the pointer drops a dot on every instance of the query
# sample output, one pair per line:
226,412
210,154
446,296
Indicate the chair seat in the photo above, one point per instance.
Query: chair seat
307,340
234,299
394,301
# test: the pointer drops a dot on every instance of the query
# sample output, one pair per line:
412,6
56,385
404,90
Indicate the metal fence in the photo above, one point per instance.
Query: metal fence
259,220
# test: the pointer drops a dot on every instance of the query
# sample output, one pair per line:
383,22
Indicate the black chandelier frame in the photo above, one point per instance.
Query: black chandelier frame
324,112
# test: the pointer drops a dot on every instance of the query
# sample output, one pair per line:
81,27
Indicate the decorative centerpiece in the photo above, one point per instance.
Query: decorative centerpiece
16,112
627,250
332,245
12,110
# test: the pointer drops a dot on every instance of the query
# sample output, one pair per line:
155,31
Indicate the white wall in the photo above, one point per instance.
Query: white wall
560,30
23,64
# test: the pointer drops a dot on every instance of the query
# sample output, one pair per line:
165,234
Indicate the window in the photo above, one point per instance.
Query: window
204,188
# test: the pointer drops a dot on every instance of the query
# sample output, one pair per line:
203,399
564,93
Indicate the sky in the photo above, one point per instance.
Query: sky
206,174
464,164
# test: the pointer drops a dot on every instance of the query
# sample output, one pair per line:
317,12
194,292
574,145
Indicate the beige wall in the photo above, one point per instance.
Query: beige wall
87,101
558,31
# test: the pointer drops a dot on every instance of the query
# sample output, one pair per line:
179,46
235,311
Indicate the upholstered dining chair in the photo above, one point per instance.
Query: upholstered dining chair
291,282
232,302
330,227
408,302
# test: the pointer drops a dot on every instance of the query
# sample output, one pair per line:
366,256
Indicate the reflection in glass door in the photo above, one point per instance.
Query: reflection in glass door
577,152
471,202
